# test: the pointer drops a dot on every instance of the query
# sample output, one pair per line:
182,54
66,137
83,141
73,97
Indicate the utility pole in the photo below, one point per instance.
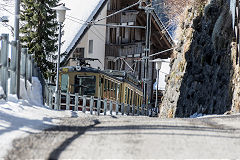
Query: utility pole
148,11
16,38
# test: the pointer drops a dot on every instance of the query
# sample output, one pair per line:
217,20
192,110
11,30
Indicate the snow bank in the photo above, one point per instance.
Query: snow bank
1,90
21,117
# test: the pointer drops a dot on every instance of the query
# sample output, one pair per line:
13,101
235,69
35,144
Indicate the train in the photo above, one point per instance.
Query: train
113,85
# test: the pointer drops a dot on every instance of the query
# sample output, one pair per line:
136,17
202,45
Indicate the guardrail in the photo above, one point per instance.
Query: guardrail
9,67
93,105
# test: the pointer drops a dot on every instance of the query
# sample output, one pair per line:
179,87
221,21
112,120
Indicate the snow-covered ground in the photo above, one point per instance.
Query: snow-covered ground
19,118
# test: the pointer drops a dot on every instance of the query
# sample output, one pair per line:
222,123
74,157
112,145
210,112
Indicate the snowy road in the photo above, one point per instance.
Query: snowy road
133,137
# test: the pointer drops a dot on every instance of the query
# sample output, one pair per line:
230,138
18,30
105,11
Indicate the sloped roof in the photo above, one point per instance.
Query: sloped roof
84,11
74,33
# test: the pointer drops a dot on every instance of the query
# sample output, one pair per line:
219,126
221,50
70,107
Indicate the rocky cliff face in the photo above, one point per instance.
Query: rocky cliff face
204,76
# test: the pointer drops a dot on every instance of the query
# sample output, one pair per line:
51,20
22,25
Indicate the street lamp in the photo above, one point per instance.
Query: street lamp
61,12
158,65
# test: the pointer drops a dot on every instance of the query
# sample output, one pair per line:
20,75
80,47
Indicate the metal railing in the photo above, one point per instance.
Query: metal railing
9,67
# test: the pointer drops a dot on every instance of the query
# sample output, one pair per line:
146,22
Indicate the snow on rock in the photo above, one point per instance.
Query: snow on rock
18,118
196,115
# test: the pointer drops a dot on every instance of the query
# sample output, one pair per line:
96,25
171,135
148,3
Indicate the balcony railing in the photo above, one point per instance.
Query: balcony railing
117,50
124,17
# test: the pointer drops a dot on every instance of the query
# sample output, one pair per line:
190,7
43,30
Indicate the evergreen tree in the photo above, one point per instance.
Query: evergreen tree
38,32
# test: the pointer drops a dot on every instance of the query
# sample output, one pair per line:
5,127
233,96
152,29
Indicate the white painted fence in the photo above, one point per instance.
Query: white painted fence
93,105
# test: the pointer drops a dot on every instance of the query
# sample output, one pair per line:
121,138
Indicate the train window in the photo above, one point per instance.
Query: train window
126,95
110,89
118,93
85,85
105,85
100,89
64,82
131,97
108,85
115,93
137,100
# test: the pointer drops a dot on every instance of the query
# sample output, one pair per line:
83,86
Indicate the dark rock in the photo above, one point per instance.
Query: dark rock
204,85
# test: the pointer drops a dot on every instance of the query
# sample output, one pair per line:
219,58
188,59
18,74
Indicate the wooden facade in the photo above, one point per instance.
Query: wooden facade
129,43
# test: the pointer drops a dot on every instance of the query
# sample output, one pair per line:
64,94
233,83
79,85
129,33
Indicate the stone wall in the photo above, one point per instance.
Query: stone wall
204,77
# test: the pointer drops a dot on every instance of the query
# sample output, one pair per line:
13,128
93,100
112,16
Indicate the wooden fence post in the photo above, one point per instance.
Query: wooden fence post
98,106
76,102
84,104
67,101
91,105
105,106
122,108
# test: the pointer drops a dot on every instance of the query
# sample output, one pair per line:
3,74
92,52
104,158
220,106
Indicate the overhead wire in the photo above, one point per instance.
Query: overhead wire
77,19
6,5
7,11
98,31
74,19
90,28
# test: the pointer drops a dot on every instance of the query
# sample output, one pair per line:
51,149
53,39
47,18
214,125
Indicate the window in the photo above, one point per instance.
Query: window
78,53
123,32
113,35
85,85
126,95
111,65
90,50
64,83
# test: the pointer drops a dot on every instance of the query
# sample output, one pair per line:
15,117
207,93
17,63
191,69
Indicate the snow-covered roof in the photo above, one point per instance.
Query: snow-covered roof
84,11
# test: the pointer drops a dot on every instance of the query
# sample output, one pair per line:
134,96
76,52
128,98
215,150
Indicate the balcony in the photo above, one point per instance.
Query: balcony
118,50
123,17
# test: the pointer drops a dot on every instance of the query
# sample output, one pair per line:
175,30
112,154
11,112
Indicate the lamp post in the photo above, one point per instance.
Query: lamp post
61,12
158,65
